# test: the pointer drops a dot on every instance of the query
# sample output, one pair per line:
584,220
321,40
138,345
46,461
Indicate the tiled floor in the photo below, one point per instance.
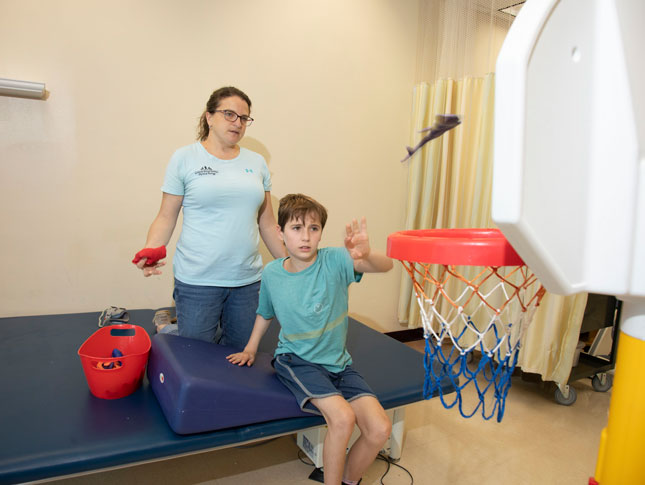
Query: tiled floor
538,442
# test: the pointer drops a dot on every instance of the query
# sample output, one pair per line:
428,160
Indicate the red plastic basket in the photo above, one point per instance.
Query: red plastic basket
96,354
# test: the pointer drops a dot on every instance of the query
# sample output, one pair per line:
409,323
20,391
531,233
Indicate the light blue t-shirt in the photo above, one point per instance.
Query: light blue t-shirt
219,240
311,306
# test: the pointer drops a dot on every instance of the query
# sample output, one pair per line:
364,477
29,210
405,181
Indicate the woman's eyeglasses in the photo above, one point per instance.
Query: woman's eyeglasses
233,116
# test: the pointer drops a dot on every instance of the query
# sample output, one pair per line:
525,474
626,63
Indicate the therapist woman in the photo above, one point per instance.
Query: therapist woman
224,191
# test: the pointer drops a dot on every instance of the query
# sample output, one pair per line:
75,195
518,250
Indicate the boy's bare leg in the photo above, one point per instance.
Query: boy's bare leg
375,428
340,419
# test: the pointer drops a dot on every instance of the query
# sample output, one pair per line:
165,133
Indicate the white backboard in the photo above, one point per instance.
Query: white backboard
569,176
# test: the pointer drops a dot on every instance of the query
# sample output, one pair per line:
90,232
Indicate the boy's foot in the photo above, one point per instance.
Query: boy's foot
161,319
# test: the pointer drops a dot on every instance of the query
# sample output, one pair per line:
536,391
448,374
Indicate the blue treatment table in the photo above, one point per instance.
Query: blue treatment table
52,426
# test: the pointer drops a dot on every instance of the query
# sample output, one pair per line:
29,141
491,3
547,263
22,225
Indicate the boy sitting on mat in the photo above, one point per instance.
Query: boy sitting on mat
307,292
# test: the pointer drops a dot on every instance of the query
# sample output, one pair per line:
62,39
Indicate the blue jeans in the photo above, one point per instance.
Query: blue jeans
202,310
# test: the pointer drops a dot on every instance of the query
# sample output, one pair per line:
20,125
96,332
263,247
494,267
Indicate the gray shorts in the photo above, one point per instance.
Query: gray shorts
309,381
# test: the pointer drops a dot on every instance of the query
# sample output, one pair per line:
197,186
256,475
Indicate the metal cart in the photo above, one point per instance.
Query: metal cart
602,313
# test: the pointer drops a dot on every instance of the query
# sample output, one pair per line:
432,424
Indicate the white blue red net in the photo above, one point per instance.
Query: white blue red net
470,312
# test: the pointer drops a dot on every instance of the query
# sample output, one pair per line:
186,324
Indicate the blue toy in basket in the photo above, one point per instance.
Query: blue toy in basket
111,365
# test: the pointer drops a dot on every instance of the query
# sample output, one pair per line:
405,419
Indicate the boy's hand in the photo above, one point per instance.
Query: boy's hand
357,241
242,358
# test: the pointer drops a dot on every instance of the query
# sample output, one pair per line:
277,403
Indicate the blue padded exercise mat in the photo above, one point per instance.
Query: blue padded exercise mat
199,390
55,427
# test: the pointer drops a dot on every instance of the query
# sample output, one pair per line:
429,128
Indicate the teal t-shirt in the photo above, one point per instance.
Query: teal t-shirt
311,306
219,239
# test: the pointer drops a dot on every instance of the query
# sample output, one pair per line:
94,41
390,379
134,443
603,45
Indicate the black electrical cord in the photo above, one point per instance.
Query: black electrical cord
305,459
391,462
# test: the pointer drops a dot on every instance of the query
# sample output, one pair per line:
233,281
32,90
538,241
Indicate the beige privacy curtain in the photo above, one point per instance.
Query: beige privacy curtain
449,186
446,179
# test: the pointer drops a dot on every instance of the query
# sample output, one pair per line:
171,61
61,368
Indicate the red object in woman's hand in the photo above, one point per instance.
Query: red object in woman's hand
152,255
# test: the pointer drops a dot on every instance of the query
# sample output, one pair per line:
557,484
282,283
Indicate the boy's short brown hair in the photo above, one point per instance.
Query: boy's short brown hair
297,206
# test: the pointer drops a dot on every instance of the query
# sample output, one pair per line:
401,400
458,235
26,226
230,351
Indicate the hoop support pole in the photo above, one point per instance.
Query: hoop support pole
620,456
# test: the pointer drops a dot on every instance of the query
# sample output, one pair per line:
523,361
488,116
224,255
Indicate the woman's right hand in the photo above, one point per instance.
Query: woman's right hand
150,270
149,260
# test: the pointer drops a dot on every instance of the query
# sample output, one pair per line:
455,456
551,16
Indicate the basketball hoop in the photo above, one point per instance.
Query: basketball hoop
474,293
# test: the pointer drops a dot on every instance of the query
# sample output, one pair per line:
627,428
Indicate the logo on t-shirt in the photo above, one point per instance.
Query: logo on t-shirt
206,171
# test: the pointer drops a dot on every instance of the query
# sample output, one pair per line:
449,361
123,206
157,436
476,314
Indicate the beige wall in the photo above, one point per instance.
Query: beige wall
331,85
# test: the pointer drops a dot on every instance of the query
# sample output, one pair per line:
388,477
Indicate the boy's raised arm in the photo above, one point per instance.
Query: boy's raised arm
247,356
357,242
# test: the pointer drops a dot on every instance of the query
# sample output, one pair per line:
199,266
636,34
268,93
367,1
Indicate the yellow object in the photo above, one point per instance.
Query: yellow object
621,453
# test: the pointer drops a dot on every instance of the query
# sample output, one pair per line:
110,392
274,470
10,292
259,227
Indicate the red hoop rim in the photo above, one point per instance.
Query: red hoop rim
466,247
